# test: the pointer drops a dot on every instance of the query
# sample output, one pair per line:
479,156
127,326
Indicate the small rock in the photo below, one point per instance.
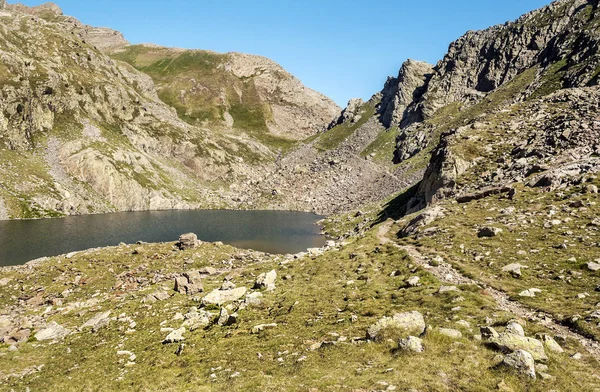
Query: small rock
219,297
592,266
413,282
529,293
514,269
407,323
446,289
262,327
488,231
488,332
175,336
266,281
208,271
451,333
189,284
226,319
515,328
507,342
412,344
550,343
98,321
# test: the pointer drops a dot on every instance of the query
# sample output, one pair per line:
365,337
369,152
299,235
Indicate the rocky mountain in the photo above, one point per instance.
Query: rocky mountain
233,91
82,132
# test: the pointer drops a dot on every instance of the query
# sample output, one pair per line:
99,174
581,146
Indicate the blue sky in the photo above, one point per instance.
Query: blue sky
344,49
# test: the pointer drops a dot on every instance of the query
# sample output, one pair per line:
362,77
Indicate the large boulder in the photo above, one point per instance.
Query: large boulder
402,324
187,241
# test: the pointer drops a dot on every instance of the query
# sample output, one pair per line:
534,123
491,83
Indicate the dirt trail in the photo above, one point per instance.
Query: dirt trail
445,272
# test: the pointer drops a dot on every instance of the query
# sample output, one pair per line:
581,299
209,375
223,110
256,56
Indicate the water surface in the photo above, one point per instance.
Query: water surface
267,231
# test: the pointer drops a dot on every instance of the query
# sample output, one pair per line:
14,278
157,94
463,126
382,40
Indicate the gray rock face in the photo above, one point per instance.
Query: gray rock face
398,93
481,61
349,114
409,323
522,362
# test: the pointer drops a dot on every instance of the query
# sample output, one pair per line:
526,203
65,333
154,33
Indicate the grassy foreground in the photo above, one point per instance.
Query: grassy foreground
322,305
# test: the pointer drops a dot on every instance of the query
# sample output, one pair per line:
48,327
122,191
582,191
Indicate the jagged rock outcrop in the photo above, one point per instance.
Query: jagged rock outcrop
350,113
398,93
481,61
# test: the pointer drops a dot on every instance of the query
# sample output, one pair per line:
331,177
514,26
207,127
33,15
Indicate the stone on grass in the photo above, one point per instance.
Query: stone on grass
187,241
266,281
488,231
208,271
413,282
593,266
52,331
522,361
189,283
509,343
226,319
219,297
197,319
412,344
447,289
262,327
408,323
175,336
254,299
488,332
98,321
530,292
451,333
515,328
550,343
514,269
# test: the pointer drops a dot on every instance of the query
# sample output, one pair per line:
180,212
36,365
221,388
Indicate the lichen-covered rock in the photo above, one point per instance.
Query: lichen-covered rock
189,283
412,344
404,324
522,361
511,342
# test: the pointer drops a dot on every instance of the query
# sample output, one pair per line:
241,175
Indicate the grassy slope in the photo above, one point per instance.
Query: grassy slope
203,78
315,304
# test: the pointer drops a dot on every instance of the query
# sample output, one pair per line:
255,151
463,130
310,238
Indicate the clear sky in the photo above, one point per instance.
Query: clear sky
344,49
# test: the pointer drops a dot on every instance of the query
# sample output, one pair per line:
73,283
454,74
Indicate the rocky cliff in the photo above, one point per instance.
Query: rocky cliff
81,132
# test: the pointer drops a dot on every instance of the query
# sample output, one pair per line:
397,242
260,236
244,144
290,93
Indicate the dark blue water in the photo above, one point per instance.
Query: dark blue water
267,231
